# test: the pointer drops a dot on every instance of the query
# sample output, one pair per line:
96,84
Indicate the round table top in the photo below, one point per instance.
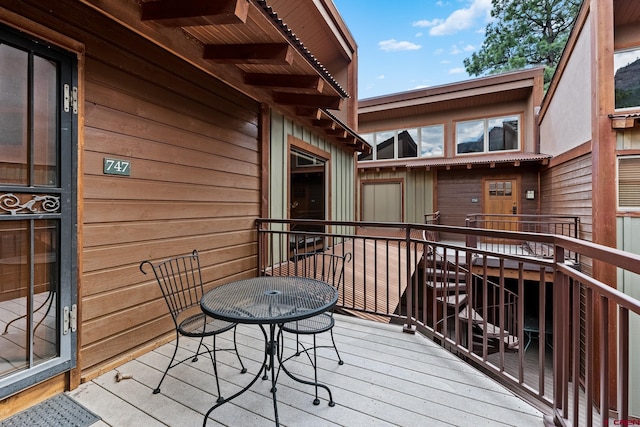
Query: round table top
269,299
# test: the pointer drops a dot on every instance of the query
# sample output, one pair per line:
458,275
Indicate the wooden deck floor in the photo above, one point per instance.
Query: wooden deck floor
389,378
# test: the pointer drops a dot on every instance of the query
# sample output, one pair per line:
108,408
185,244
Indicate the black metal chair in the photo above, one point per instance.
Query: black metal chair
328,267
180,280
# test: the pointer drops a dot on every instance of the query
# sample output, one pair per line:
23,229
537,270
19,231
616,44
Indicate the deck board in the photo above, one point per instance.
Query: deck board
389,378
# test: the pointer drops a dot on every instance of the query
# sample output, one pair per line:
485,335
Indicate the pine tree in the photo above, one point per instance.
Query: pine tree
524,33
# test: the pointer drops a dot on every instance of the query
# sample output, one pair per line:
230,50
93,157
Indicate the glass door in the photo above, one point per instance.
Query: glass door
36,211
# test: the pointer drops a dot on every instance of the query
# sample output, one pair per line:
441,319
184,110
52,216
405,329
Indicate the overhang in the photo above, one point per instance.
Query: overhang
488,161
245,44
484,91
624,121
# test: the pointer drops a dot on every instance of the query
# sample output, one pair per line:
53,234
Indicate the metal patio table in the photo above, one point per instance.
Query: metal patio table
273,301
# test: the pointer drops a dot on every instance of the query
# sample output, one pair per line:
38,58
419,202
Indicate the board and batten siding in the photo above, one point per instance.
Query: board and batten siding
417,184
192,143
341,170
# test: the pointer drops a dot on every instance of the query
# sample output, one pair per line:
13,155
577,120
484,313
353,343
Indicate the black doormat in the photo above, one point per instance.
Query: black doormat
58,411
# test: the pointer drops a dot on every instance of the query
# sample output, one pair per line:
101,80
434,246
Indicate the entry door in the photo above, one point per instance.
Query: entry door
501,199
37,211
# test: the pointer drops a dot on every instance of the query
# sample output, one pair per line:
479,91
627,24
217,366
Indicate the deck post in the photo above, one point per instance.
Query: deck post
409,327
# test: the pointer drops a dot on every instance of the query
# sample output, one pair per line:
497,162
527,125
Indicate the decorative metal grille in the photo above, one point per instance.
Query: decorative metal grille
39,203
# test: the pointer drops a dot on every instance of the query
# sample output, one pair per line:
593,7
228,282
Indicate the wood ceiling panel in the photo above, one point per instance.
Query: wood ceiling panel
626,11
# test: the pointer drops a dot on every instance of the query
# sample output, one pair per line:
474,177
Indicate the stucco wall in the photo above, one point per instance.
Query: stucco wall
567,122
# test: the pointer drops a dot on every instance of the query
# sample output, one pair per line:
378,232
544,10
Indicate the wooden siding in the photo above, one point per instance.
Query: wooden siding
460,192
192,144
566,190
341,168
418,187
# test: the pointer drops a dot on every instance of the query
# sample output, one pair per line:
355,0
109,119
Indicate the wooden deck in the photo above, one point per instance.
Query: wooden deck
389,378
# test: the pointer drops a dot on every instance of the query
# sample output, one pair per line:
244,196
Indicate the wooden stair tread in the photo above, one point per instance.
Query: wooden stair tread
451,300
475,317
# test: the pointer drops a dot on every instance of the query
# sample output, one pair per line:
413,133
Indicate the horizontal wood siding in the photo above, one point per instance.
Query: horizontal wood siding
460,192
566,190
194,184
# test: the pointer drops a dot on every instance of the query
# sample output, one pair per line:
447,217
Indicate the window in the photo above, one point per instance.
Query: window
488,135
629,183
425,141
626,68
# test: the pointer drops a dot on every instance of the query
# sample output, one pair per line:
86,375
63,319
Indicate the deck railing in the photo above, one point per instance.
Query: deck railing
546,330
560,225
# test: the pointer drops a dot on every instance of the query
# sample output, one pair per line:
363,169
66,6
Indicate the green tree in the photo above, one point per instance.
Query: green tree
524,33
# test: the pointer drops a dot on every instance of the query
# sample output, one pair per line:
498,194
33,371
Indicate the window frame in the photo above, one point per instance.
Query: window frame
616,53
372,138
619,159
486,147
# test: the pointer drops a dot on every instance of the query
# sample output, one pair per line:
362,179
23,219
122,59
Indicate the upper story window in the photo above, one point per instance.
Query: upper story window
427,141
488,135
626,68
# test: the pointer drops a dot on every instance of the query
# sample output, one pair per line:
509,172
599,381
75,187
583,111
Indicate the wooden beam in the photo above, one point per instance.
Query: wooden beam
325,124
623,122
310,112
338,133
186,13
301,99
293,81
258,53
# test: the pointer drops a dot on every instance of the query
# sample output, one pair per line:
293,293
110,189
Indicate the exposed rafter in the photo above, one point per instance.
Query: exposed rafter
258,53
186,13
309,82
303,99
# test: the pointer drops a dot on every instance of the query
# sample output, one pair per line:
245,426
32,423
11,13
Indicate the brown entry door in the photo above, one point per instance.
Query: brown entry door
501,203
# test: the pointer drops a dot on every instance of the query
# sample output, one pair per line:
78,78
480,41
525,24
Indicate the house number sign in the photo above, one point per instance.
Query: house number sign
117,167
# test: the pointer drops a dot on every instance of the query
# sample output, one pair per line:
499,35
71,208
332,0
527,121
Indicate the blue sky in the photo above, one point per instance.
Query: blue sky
410,44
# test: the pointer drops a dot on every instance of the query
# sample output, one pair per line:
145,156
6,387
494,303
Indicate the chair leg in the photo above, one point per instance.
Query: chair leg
316,401
212,353
175,351
195,357
340,361
235,346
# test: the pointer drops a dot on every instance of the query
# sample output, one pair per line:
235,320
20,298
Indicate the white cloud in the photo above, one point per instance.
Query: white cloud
426,23
458,70
454,50
445,62
419,34
438,51
469,48
393,45
463,19
381,77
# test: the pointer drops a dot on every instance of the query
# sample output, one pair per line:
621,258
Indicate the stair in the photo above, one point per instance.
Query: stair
446,283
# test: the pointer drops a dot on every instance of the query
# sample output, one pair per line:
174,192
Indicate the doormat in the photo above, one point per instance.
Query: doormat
58,411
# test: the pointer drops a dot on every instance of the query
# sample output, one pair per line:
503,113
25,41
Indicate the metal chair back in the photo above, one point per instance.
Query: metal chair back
325,266
180,280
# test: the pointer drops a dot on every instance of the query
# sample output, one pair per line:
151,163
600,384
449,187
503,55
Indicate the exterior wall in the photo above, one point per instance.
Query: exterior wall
460,192
629,240
195,180
567,121
341,166
194,184
566,190
450,117
418,187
